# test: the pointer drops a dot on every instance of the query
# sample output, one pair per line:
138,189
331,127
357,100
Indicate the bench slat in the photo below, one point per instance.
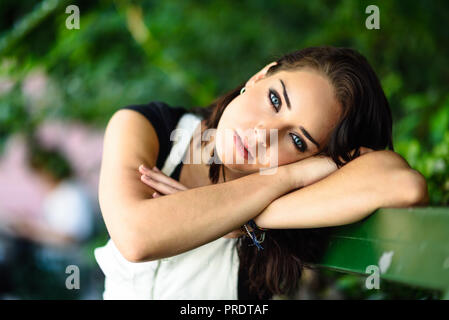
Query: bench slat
414,244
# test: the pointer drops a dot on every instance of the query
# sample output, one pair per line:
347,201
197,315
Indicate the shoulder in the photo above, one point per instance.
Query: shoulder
158,112
139,134
126,126
155,118
162,117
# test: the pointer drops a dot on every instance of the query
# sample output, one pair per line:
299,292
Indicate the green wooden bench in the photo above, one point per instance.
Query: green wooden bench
410,245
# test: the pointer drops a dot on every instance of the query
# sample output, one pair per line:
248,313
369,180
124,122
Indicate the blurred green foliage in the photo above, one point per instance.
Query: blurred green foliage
186,53
189,52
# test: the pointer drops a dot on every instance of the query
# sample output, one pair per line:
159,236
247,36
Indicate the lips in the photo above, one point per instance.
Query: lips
245,145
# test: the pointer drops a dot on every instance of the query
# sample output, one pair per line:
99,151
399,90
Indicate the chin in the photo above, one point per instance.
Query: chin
240,168
243,168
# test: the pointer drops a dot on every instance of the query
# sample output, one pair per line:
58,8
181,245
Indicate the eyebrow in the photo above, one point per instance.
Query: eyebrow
285,95
304,131
309,136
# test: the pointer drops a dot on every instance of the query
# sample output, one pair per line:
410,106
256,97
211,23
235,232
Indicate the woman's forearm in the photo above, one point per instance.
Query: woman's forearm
349,194
175,223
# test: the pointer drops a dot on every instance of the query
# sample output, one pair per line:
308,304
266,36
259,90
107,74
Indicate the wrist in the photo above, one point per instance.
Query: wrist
294,175
287,178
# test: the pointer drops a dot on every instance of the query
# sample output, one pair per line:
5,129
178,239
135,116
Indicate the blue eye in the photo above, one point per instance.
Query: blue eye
276,103
297,141
274,99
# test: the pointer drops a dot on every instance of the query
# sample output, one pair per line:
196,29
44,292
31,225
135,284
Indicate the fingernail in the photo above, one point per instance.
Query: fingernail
143,168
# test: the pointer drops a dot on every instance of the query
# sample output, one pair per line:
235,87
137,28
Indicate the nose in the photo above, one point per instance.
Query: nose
259,138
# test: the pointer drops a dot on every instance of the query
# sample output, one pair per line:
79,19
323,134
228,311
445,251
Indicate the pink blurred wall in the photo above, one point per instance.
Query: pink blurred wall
22,192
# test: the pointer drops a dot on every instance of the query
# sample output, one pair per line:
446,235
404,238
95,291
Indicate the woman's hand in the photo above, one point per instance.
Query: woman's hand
312,169
164,185
159,181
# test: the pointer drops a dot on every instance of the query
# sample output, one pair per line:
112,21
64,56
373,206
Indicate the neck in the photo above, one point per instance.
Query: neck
231,175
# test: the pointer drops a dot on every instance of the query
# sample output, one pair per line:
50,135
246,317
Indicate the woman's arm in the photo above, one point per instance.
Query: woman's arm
145,229
374,180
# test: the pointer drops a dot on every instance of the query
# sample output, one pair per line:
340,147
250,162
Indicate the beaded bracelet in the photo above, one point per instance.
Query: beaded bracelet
252,235
253,238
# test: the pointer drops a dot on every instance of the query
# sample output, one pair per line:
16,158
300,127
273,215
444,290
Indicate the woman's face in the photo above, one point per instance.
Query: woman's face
299,105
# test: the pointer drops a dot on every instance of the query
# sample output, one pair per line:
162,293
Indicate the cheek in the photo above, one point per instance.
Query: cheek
280,157
285,152
246,108
224,144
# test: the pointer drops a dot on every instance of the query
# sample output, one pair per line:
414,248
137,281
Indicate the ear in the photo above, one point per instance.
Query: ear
259,75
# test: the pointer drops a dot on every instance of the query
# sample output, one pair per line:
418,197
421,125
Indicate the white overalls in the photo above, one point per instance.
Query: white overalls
207,272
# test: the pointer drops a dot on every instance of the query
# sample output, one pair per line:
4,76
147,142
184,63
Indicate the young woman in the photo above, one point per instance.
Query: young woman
218,229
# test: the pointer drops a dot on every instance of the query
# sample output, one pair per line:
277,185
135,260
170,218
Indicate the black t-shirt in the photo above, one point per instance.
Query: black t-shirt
164,119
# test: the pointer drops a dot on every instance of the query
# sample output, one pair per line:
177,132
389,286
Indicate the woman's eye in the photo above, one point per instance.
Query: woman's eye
274,99
297,141
276,102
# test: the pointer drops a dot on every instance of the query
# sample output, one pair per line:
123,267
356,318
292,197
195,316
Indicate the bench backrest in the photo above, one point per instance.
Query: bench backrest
408,245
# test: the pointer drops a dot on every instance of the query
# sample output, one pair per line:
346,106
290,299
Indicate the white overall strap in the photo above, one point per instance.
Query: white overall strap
181,139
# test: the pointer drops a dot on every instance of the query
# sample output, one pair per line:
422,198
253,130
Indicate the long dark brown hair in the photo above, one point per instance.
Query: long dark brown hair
366,121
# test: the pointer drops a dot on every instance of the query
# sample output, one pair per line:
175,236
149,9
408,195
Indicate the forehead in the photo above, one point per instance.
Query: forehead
313,104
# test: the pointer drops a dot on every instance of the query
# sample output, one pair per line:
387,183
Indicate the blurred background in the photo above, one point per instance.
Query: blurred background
60,86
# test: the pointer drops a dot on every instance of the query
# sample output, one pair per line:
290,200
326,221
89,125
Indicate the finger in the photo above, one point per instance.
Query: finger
173,182
158,186
161,177
156,195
